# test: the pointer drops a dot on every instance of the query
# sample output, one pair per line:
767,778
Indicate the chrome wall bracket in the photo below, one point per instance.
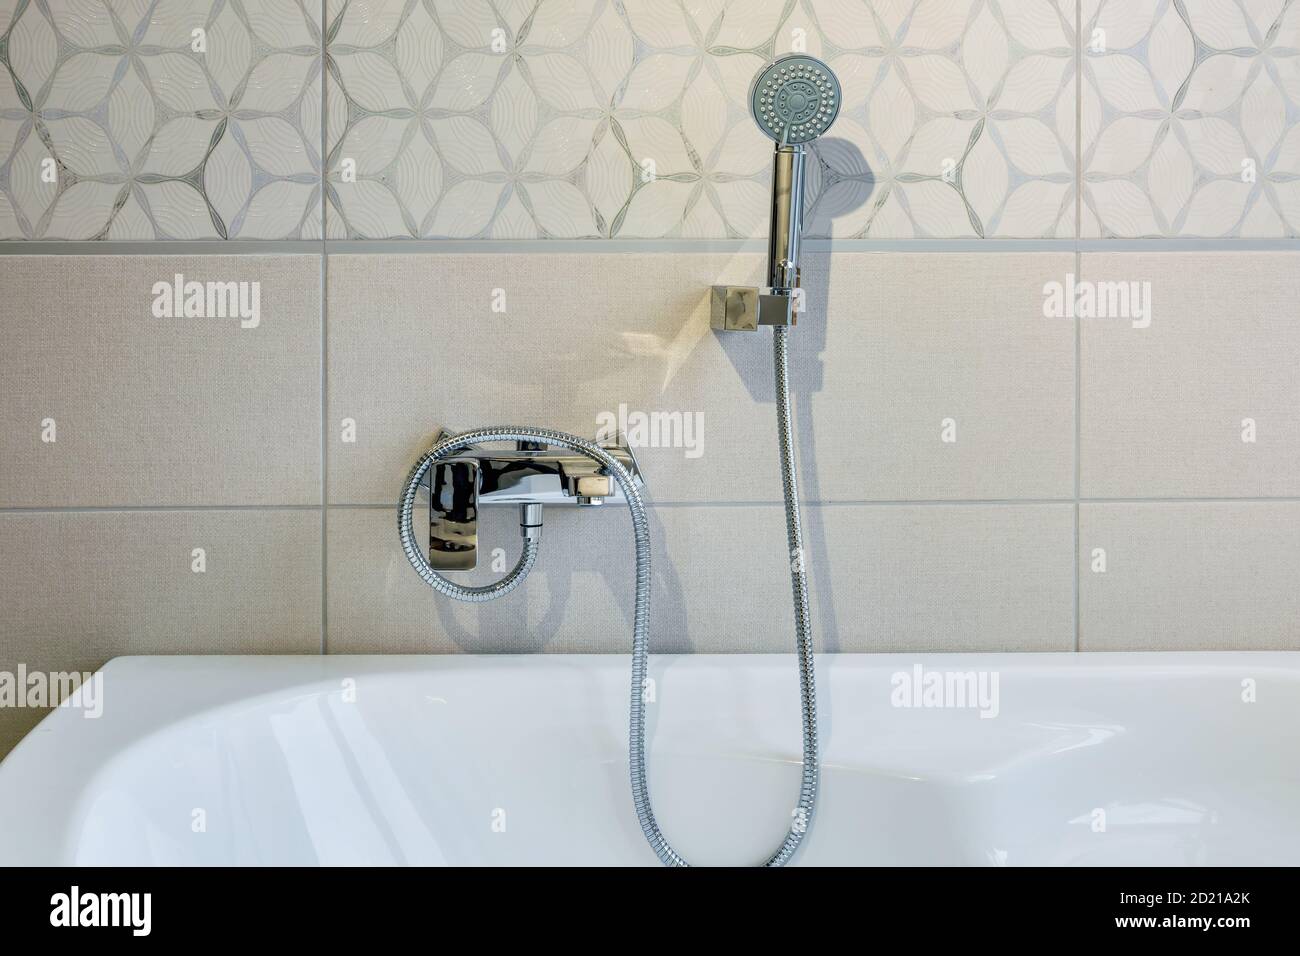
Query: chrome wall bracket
530,475
739,308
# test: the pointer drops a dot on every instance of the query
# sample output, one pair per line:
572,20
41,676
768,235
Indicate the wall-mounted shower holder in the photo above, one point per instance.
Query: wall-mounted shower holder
529,475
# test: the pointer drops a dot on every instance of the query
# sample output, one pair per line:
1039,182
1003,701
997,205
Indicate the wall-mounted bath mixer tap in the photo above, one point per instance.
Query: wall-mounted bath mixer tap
529,475
794,101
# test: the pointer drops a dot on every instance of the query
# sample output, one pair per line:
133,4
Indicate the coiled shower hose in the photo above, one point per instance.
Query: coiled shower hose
802,813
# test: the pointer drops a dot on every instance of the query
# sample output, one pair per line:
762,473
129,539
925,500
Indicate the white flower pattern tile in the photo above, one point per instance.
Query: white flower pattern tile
1191,118
160,119
599,118
522,119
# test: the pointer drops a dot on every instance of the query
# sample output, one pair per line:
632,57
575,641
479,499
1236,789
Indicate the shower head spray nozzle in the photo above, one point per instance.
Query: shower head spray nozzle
795,99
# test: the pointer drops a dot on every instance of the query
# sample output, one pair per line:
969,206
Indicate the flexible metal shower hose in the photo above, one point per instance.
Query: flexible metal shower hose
802,813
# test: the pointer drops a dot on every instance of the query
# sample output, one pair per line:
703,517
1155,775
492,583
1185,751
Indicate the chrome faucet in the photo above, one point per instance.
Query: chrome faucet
530,475
794,101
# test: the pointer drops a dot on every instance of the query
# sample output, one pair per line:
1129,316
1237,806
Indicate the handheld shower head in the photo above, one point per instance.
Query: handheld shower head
795,99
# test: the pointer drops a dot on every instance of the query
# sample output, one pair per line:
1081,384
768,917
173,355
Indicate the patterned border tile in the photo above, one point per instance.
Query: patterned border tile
1191,118
627,119
160,119
595,118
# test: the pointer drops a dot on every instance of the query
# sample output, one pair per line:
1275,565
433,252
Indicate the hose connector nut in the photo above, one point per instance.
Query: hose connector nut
530,521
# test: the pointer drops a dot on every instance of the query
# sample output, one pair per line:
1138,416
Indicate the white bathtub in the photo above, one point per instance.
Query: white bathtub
1096,759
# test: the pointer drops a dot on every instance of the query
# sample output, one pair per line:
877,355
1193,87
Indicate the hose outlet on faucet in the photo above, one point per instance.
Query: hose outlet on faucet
530,521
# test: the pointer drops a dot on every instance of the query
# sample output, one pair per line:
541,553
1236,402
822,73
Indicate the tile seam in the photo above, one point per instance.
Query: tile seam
361,247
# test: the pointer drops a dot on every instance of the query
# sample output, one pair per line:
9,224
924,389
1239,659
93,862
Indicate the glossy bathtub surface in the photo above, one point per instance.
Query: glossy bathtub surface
1096,759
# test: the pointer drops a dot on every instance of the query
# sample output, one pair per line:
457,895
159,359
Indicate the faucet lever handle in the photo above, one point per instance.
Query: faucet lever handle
585,479
453,515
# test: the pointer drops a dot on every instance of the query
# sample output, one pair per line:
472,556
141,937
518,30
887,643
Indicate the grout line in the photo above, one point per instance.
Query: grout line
1078,570
1078,328
105,509
184,247
284,247
1078,123
777,502
1078,453
1205,500
324,346
861,503
699,246
324,437
1188,244
875,502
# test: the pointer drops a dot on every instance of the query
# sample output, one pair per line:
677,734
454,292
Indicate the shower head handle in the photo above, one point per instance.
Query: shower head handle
786,220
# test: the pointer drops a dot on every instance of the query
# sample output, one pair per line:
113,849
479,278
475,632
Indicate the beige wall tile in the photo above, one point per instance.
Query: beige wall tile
415,344
713,569
79,588
936,577
950,578
1190,576
1162,407
158,411
914,339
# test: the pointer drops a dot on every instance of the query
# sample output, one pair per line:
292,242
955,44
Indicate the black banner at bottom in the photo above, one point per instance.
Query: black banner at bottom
336,906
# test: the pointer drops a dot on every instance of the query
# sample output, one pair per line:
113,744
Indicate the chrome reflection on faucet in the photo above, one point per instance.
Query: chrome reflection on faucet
530,475
794,101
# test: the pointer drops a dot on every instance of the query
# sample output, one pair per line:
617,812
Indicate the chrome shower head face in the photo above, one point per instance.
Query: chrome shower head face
795,99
